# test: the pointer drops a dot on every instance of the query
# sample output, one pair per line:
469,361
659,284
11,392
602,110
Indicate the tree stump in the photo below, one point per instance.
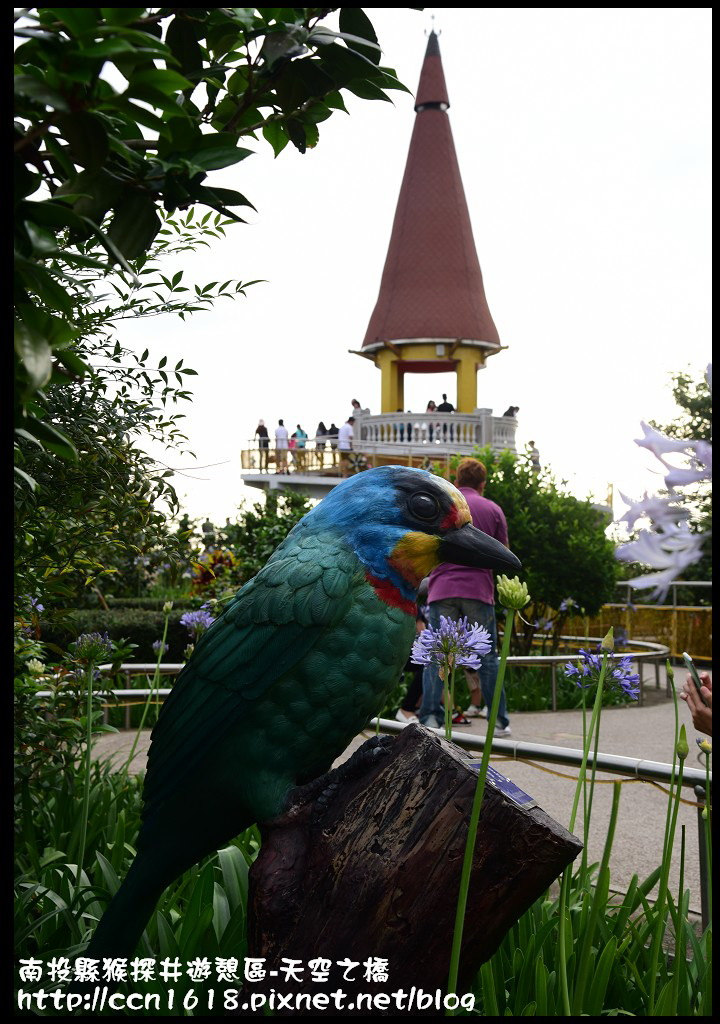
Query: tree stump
370,868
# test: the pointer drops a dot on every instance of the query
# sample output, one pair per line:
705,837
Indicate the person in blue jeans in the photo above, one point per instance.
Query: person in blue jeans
479,682
456,591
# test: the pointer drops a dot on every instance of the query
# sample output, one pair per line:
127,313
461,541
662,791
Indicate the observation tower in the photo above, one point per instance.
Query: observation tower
431,316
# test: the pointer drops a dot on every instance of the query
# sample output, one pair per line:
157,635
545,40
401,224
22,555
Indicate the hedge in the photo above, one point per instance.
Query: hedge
139,626
154,604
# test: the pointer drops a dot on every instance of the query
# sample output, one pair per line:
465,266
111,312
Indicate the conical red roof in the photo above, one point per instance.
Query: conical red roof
431,286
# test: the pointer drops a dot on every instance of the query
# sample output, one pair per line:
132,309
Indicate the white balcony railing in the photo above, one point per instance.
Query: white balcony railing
442,432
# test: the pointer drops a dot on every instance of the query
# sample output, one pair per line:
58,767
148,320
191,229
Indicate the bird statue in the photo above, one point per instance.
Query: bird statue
301,658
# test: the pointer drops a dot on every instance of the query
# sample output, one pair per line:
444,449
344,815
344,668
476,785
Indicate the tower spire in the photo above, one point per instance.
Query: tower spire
431,313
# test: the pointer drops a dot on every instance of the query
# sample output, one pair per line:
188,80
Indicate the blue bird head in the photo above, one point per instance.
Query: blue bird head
402,522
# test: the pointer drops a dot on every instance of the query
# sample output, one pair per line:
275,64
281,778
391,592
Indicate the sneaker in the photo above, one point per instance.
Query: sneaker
432,723
473,711
460,719
405,719
499,731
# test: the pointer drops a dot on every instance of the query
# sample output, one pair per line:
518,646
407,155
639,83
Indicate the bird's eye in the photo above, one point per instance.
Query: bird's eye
424,506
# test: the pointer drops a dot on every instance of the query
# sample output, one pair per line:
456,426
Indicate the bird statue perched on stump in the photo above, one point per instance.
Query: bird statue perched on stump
303,655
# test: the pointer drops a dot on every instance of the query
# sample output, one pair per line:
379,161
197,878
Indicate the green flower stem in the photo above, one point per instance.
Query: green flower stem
662,894
88,762
564,903
680,964
450,702
708,833
668,813
475,813
155,685
591,792
586,827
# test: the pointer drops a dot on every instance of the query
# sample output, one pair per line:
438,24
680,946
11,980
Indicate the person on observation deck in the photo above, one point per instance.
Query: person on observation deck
261,433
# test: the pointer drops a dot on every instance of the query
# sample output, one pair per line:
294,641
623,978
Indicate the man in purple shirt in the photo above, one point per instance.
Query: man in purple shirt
456,590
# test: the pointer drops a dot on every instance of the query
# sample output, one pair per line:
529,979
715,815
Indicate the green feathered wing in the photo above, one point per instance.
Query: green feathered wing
268,628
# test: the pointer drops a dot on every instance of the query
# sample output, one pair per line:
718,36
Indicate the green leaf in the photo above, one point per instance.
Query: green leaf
354,21
36,90
86,137
181,39
34,352
163,80
213,158
121,15
43,242
134,226
73,362
76,19
106,49
275,134
30,481
51,438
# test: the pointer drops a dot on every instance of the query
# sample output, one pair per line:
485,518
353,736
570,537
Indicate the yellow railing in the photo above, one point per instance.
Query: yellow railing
329,461
680,627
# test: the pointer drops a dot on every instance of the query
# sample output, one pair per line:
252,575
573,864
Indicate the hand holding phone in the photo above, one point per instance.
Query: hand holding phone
694,675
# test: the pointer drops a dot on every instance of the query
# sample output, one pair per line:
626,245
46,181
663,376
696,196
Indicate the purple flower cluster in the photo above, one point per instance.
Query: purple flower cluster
158,644
620,675
197,622
92,647
453,640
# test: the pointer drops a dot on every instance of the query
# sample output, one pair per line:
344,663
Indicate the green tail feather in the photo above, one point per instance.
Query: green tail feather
129,911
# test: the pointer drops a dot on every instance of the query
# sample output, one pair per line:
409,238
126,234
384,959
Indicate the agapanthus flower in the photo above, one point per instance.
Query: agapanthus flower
36,606
671,551
158,644
35,667
587,671
705,745
197,622
92,647
543,624
454,641
512,593
660,444
566,604
659,510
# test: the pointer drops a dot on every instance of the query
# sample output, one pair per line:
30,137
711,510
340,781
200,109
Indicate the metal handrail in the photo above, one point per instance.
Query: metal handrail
635,767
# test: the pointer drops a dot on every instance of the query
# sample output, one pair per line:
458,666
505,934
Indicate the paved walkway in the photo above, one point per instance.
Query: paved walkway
645,732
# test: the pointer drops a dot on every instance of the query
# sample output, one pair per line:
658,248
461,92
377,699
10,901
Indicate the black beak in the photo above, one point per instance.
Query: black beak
470,546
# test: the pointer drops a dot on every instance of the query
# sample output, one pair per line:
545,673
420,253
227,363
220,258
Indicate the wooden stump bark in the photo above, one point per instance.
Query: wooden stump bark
370,868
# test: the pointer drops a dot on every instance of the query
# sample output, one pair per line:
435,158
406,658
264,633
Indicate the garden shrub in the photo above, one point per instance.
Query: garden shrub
139,626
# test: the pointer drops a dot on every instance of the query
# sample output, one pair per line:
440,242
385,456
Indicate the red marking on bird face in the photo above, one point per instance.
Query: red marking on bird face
451,519
390,594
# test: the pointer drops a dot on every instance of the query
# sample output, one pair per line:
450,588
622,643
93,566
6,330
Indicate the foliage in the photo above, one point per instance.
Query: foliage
66,524
247,544
694,400
123,111
201,914
559,539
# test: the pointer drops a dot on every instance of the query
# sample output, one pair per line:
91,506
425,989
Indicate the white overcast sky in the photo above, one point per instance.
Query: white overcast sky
583,137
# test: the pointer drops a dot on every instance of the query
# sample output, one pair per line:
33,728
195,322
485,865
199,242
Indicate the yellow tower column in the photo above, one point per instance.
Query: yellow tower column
392,395
466,372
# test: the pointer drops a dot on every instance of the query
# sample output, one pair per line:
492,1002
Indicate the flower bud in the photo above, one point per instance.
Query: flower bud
512,593
703,814
35,667
682,749
167,607
608,642
705,745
